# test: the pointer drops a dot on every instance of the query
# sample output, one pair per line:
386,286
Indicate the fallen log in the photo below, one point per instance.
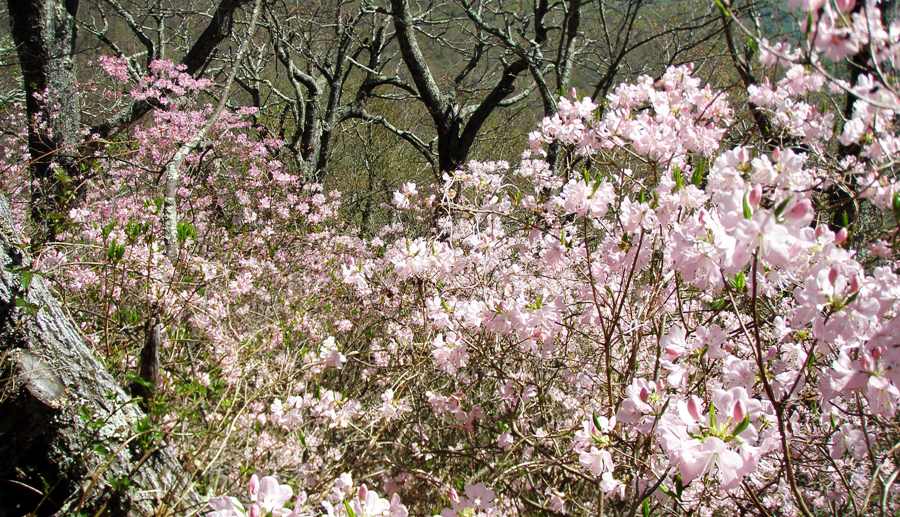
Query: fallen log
72,442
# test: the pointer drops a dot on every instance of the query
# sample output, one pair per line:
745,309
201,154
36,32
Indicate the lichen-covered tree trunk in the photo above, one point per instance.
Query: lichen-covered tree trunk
44,34
71,440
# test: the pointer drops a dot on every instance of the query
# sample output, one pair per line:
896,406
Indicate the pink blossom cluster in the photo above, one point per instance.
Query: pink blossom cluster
269,498
652,310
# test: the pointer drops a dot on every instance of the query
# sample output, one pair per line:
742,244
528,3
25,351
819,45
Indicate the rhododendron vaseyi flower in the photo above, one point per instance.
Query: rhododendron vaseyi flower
267,496
330,354
478,500
449,353
369,504
643,399
721,438
582,198
596,460
225,506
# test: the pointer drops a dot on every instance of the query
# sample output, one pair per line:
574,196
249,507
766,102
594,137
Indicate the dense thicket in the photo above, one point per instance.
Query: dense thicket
457,258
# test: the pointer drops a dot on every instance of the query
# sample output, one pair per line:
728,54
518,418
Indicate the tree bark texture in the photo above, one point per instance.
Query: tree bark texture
44,34
71,440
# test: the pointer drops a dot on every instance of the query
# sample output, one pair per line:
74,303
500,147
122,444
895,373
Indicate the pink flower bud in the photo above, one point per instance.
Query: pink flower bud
738,411
800,210
820,230
854,283
833,275
866,363
253,487
644,394
692,408
363,492
845,5
255,510
755,195
840,236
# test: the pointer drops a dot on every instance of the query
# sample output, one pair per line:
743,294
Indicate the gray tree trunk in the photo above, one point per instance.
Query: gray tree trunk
44,34
70,438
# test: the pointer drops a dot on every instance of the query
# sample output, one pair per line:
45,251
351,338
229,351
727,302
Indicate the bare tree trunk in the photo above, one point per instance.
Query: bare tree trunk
69,435
44,34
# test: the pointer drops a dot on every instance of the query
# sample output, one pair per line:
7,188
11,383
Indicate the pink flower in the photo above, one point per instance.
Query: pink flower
115,67
224,506
641,397
674,343
480,495
612,486
449,354
330,354
272,495
596,460
696,457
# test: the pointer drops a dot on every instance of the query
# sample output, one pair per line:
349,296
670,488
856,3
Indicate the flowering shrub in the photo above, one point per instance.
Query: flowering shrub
269,498
662,320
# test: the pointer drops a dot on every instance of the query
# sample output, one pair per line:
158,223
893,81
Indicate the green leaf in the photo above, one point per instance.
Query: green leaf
742,426
62,176
350,511
781,206
752,45
28,307
596,421
678,177
115,251
645,507
748,212
185,231
516,197
108,229
128,316
811,359
739,282
133,230
722,8
713,421
134,378
699,174
302,437
718,304
26,276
